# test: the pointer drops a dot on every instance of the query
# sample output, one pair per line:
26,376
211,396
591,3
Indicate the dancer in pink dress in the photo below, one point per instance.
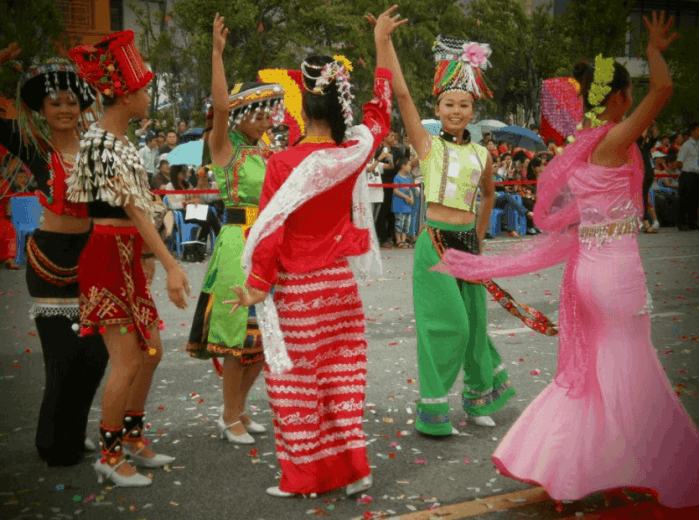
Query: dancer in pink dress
610,420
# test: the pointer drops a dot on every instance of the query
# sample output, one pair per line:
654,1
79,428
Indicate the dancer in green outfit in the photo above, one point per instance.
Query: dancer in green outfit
451,314
239,167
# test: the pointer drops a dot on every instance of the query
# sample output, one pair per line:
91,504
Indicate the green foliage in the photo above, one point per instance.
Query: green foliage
596,27
37,26
683,60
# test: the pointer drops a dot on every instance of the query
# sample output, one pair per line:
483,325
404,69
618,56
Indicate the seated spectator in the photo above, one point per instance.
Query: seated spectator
663,145
162,176
178,202
160,139
503,147
676,142
506,166
534,169
490,145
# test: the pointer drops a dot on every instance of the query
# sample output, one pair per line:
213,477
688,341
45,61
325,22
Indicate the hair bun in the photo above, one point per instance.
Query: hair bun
581,71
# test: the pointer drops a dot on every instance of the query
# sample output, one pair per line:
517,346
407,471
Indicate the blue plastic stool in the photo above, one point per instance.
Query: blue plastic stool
496,221
26,216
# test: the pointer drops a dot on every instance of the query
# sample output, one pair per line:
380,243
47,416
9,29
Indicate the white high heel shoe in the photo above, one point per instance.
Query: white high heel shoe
105,470
154,462
245,438
276,492
360,485
252,426
482,420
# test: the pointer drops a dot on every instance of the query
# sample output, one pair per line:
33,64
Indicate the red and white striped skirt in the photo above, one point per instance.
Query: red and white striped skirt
318,406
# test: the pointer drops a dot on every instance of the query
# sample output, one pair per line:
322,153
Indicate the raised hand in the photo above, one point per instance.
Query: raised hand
385,24
220,34
658,29
10,52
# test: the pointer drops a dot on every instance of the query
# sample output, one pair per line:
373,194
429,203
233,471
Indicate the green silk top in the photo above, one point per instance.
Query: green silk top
452,173
240,181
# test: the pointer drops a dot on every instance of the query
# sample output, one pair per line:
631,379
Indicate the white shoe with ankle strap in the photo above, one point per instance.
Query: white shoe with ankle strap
105,470
158,461
245,438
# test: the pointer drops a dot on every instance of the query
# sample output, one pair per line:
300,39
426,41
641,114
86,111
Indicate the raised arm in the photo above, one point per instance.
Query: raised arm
383,28
220,146
621,137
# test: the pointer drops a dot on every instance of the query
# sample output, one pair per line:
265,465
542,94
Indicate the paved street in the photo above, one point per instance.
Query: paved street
214,479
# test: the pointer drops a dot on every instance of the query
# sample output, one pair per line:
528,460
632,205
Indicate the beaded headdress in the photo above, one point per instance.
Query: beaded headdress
322,75
47,78
113,66
460,66
292,83
258,98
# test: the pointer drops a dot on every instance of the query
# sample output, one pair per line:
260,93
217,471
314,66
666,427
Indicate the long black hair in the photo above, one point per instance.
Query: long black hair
584,73
175,170
326,106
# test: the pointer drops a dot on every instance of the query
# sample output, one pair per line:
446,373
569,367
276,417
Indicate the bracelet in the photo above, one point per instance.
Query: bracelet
147,256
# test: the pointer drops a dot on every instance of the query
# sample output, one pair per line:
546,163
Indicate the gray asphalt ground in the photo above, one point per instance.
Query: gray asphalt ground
214,479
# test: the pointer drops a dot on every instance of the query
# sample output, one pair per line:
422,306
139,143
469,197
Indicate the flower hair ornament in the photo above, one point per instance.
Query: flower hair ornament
600,88
338,71
460,66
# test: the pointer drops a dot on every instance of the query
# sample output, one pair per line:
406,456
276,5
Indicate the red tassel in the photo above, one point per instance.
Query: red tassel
102,329
131,328
148,335
217,366
86,331
161,325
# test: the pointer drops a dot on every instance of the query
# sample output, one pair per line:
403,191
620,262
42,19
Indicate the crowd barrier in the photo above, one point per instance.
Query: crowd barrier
390,185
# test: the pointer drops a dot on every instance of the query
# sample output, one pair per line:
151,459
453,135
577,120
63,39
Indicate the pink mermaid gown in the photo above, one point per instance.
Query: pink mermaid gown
611,419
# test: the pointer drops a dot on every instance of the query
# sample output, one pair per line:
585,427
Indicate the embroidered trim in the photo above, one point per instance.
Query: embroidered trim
51,307
488,399
325,453
313,274
317,331
46,269
320,302
315,320
316,287
433,418
435,400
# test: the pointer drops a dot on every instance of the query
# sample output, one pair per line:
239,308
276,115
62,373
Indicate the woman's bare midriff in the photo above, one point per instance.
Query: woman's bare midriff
116,222
441,213
67,224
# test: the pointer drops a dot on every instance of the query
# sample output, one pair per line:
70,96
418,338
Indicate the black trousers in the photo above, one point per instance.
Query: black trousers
386,221
74,368
689,200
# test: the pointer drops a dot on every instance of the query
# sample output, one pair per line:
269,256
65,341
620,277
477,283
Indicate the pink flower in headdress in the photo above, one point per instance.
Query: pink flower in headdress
475,54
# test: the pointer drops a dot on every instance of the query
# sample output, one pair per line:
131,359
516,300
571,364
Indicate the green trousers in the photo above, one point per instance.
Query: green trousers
451,318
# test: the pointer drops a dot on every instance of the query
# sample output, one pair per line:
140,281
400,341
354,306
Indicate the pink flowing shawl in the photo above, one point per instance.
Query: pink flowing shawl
556,213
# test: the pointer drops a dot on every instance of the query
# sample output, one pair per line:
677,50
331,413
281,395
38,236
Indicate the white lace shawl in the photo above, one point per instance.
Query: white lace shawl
317,173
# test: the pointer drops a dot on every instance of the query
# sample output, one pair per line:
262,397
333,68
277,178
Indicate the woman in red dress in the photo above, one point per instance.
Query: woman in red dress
115,299
313,328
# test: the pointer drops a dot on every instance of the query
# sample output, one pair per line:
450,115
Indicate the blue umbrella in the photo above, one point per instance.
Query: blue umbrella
519,137
188,153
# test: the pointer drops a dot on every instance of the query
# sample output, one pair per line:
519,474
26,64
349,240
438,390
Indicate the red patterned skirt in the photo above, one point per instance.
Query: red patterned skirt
318,406
113,287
